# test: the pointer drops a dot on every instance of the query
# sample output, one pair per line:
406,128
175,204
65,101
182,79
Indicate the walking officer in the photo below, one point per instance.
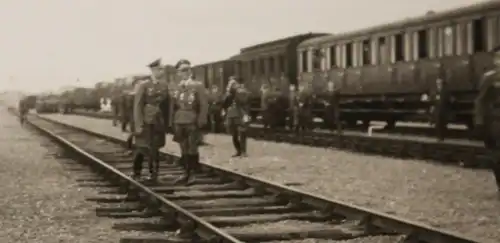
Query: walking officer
333,106
486,115
190,114
237,117
149,121
304,110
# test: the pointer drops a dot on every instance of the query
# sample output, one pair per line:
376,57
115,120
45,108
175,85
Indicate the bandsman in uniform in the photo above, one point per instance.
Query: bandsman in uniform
215,109
486,114
115,104
293,108
333,107
237,115
440,107
190,114
149,121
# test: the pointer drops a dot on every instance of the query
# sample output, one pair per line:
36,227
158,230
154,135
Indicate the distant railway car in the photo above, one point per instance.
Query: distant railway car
272,63
385,71
86,99
215,73
47,104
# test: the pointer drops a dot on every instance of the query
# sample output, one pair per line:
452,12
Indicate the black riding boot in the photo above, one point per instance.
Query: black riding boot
243,143
138,159
236,143
184,161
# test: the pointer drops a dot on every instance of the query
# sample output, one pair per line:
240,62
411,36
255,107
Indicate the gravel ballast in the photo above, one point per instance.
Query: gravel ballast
462,200
40,200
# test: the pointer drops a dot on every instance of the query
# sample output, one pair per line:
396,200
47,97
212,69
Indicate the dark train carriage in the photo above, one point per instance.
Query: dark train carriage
386,72
271,63
215,73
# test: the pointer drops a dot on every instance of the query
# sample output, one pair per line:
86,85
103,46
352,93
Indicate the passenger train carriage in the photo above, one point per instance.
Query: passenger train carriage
384,72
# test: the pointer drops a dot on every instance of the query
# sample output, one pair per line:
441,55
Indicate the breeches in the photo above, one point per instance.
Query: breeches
188,137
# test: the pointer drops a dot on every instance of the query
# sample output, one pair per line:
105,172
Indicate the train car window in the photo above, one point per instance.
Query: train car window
271,65
252,67
367,52
305,61
399,48
478,35
333,56
423,44
459,39
262,66
382,50
440,42
281,63
349,53
448,40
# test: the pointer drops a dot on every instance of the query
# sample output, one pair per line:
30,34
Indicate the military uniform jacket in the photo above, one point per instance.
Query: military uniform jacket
237,103
215,101
191,103
488,93
147,99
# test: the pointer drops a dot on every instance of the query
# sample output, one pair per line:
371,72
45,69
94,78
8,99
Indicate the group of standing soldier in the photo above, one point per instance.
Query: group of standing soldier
152,109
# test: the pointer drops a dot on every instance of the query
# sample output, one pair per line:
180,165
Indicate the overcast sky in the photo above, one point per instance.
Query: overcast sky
46,44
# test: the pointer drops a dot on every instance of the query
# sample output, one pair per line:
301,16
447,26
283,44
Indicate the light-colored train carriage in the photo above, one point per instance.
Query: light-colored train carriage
385,71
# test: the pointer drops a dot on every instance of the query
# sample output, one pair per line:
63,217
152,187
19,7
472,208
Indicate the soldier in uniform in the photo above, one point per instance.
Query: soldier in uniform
190,114
237,115
149,121
215,109
23,110
484,113
264,104
440,107
333,107
304,110
293,108
115,104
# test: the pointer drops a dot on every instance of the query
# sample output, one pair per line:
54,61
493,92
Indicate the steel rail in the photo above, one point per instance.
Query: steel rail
464,153
370,219
182,216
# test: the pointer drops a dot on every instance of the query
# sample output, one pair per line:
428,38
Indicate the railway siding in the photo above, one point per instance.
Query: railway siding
443,196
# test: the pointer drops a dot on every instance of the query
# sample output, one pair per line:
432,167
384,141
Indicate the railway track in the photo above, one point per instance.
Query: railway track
225,206
464,153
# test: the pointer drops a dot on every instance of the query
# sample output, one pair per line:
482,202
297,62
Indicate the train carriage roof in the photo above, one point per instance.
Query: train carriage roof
274,46
428,18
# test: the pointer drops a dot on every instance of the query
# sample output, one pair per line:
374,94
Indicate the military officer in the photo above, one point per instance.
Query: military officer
23,110
304,110
484,113
190,114
293,107
333,106
149,121
237,115
215,110
115,104
440,99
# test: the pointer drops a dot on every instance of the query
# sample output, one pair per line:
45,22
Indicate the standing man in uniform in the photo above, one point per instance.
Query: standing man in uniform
304,110
115,103
190,114
440,108
23,110
293,108
125,108
485,114
333,106
237,115
215,109
264,89
149,121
